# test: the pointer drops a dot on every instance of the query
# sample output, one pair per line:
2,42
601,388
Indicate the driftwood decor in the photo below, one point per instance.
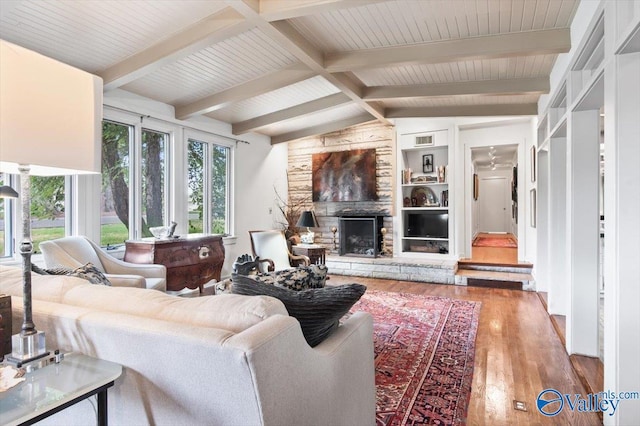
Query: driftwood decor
344,175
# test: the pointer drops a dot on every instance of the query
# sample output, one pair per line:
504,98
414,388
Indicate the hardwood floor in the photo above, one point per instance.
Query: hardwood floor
518,353
494,254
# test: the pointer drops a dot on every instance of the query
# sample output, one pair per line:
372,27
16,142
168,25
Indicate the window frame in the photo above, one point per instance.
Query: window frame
211,139
10,211
13,214
140,123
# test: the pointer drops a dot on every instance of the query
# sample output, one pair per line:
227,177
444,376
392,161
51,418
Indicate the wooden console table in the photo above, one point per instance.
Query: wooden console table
191,261
315,252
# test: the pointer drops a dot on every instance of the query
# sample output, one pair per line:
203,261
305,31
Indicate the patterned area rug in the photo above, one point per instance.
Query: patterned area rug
484,241
424,352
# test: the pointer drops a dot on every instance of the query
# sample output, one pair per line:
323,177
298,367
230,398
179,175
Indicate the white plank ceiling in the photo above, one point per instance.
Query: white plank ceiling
291,69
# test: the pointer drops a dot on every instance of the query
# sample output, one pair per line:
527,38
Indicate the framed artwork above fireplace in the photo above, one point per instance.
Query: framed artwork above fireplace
344,175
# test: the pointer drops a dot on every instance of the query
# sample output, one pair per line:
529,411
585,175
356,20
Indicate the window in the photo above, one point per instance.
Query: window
114,209
48,207
6,248
134,183
153,170
208,187
144,183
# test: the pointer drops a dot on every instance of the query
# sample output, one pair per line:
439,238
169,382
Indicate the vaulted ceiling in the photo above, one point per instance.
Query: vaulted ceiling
295,68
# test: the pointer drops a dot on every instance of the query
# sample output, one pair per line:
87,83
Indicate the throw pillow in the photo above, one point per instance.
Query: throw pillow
51,271
88,272
301,278
92,274
318,310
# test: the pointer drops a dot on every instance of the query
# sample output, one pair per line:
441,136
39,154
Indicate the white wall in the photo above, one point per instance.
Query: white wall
260,171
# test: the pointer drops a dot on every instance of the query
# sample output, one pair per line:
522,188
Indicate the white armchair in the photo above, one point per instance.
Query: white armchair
72,252
271,246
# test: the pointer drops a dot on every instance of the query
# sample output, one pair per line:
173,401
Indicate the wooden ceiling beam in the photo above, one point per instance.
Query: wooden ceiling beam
301,110
539,42
516,86
264,84
275,10
321,129
464,111
287,37
215,28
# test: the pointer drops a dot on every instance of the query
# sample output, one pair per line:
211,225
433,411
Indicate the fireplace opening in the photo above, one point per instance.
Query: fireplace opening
360,236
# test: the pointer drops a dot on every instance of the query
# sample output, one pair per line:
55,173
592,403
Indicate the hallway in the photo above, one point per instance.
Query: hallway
498,253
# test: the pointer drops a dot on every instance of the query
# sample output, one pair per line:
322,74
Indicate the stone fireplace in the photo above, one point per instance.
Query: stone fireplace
329,213
360,235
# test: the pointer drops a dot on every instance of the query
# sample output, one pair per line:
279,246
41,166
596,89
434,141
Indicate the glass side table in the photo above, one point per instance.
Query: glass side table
55,387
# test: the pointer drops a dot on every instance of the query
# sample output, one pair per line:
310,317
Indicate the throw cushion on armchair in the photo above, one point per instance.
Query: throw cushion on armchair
301,278
88,271
317,309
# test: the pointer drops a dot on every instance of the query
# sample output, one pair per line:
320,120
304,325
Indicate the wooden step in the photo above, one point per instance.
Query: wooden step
495,275
499,279
520,267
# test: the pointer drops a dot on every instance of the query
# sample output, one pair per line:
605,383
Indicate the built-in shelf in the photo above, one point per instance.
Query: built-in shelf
411,185
413,209
558,108
425,147
592,97
627,13
631,43
560,131
424,218
543,129
425,239
589,60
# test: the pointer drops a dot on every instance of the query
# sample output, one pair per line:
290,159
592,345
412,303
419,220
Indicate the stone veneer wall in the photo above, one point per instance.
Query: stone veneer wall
374,135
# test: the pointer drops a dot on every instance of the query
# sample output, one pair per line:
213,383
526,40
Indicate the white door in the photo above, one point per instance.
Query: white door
492,197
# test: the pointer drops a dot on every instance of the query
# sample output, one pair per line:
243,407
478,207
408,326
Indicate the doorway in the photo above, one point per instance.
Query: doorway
494,205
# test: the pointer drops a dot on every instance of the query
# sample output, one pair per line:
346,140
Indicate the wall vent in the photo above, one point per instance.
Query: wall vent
424,140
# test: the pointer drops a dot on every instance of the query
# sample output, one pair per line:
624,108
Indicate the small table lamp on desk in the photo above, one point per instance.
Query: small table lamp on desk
51,126
308,220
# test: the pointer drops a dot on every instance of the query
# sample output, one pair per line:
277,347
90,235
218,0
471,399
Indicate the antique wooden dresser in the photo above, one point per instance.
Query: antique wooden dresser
191,261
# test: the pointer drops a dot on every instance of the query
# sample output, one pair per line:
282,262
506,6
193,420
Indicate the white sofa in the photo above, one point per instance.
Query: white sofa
212,360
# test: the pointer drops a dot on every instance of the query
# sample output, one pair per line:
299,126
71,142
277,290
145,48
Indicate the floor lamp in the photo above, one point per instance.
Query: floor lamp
51,126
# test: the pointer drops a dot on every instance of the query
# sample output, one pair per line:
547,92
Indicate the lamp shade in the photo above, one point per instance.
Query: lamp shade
8,192
307,219
50,115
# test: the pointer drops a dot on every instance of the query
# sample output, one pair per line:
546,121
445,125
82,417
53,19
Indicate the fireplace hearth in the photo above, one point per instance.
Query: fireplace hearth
360,235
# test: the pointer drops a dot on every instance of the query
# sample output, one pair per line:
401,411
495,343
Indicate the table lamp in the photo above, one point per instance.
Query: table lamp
50,125
8,192
308,220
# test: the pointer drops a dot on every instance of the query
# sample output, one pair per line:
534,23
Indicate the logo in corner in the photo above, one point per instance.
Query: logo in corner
549,402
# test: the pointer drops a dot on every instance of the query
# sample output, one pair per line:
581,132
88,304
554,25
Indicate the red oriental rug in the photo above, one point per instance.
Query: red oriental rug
484,241
424,351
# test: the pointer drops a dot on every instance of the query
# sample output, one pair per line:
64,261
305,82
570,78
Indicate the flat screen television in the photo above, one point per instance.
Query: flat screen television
427,225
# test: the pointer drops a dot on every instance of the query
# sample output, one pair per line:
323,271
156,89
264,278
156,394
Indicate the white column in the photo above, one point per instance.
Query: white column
86,200
542,225
622,234
583,235
558,279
